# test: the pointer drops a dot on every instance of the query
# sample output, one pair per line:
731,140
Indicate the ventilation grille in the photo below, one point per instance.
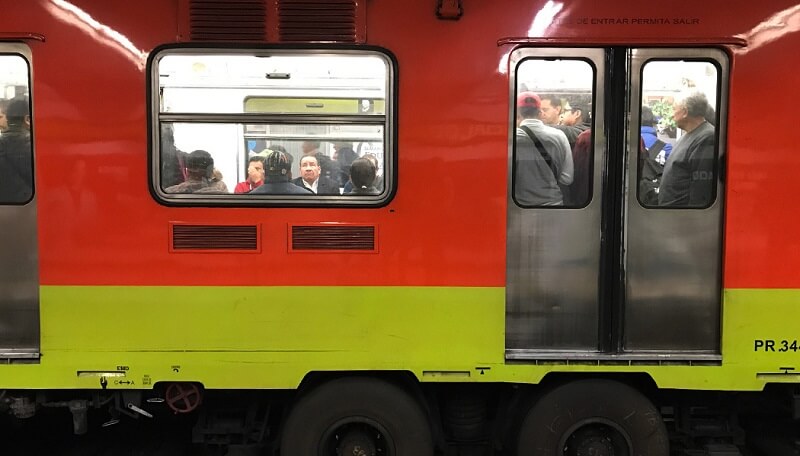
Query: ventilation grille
208,237
333,238
227,20
317,20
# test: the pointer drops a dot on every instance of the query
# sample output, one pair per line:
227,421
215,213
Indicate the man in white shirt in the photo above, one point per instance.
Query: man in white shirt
311,179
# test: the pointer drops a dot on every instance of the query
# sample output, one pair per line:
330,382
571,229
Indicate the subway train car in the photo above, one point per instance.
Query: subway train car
404,228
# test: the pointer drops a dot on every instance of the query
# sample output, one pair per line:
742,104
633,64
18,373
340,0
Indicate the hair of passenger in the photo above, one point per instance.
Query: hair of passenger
4,104
528,112
346,155
554,100
696,104
372,158
277,147
304,157
200,160
277,164
362,173
648,118
257,158
17,110
584,110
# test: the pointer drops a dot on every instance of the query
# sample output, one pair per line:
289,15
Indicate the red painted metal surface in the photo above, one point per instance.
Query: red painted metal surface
98,223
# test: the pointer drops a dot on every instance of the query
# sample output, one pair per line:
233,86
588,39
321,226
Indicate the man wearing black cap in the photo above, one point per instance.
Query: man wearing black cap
16,163
277,170
543,159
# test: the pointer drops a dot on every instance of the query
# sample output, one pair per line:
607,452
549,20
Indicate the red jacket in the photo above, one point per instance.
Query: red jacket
246,186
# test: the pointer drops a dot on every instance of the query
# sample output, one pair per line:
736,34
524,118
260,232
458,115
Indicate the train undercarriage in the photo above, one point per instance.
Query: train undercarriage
392,414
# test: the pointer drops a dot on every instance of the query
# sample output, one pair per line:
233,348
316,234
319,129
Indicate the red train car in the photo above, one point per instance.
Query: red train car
414,227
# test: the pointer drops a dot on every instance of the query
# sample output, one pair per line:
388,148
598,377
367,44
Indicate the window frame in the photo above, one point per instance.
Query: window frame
527,53
22,51
718,58
387,121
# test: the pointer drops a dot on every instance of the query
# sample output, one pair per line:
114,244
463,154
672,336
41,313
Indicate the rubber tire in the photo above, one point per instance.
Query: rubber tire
378,400
551,417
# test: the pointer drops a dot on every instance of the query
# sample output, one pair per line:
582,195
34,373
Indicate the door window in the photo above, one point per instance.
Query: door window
16,150
678,162
553,151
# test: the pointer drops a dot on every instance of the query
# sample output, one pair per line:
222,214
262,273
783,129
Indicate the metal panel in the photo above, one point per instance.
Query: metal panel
224,20
226,238
553,254
319,20
673,256
333,238
19,282
19,270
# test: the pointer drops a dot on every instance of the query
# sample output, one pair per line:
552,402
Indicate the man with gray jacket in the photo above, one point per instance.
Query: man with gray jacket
543,160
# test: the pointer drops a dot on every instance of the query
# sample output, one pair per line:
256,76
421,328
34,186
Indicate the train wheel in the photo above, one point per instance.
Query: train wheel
357,416
596,417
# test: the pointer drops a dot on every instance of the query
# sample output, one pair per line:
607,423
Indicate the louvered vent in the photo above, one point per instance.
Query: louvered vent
210,237
227,20
317,20
333,238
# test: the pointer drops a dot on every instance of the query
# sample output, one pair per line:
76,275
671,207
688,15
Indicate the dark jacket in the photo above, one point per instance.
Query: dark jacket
16,167
688,178
325,186
371,190
280,187
330,168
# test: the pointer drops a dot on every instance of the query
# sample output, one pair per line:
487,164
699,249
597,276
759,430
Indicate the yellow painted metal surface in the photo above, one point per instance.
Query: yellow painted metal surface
271,337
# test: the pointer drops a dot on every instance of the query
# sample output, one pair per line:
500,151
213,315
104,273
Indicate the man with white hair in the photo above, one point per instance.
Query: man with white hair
688,179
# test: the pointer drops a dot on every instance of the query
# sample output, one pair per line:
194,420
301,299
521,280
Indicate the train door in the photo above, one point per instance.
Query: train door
19,280
615,253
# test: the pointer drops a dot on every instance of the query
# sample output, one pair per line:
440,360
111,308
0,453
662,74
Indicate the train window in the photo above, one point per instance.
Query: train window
261,127
553,150
678,148
16,151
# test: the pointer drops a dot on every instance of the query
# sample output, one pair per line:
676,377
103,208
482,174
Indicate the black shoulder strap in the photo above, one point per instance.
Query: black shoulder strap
650,169
542,150
656,148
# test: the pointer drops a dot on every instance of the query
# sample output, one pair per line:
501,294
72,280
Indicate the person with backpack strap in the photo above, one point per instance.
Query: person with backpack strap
543,160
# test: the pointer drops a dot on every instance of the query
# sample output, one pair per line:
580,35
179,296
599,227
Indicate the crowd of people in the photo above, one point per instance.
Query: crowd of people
269,171
553,160
551,169
554,152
